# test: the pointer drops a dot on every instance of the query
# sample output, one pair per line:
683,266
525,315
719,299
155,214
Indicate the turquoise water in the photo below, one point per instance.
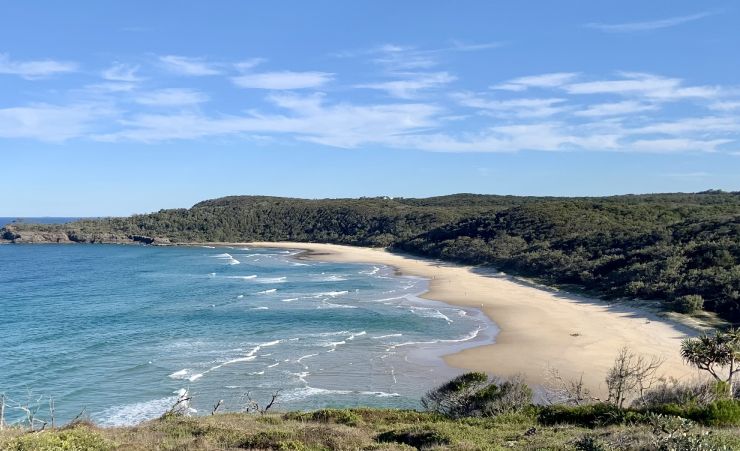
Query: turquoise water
121,330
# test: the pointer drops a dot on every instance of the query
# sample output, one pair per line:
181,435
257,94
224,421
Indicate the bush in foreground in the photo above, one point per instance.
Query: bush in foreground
474,394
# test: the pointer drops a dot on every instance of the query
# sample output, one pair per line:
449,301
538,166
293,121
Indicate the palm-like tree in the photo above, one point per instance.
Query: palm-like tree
713,353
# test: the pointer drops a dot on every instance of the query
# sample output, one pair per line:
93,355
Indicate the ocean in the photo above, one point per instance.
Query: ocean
123,331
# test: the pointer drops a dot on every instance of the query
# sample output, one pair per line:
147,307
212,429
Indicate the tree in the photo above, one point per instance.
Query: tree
715,354
631,374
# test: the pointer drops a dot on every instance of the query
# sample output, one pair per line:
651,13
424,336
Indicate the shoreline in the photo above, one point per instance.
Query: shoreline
538,328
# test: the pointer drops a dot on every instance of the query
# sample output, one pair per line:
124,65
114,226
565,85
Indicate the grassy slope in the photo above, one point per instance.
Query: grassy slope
339,429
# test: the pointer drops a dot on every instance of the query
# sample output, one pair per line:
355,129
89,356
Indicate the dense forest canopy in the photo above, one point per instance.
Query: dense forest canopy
680,250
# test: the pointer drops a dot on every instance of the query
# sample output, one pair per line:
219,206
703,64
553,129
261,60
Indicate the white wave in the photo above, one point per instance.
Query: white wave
332,278
233,261
299,264
248,357
329,305
243,249
253,276
226,256
260,308
386,299
308,356
211,274
333,345
370,272
330,334
256,373
131,414
331,294
306,392
358,334
429,313
209,247
468,337
271,279
298,394
182,374
273,365
302,376
289,300
240,296
272,290
380,337
380,394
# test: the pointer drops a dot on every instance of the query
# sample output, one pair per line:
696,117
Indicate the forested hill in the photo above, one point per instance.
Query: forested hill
682,250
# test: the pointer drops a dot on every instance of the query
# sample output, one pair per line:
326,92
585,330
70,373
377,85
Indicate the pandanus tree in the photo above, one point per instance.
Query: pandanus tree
717,354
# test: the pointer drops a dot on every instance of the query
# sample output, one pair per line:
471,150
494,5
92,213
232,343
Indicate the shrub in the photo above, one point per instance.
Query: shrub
418,436
473,394
724,412
591,415
677,434
80,438
510,396
671,391
688,304
271,440
456,398
338,416
591,443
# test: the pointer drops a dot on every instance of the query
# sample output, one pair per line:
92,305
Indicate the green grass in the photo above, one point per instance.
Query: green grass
351,429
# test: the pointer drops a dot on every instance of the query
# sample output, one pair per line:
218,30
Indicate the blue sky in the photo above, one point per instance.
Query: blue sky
113,108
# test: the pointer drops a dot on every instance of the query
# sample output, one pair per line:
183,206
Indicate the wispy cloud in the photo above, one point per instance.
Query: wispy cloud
630,27
183,65
307,118
396,57
249,64
551,80
32,70
53,123
726,105
284,80
121,72
615,109
410,87
171,97
645,85
520,107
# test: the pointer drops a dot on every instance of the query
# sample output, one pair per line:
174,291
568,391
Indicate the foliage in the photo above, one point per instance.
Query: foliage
690,303
715,354
336,416
380,429
673,391
590,415
457,397
473,394
76,439
418,437
724,412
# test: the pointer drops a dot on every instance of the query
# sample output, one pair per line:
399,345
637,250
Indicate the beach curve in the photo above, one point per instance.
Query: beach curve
539,328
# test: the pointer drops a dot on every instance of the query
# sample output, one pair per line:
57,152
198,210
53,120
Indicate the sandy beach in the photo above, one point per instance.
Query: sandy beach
539,328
